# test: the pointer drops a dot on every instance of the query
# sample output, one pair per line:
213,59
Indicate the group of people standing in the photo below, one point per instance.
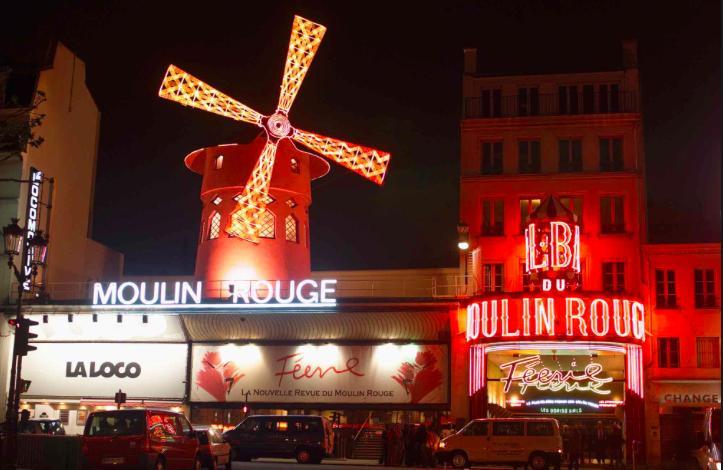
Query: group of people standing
602,443
412,445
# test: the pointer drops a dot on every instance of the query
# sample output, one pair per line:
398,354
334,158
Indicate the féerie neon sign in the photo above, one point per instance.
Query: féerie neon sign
553,380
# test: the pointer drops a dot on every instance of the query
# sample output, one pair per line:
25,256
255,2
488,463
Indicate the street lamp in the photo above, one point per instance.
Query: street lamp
37,249
462,236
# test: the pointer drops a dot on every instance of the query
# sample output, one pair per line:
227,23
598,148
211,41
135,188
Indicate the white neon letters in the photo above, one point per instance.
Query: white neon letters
257,292
555,317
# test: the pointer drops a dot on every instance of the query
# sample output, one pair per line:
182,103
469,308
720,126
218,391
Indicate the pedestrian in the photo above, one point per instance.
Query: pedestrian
384,457
616,446
432,445
420,444
565,433
447,430
24,423
600,440
408,440
575,448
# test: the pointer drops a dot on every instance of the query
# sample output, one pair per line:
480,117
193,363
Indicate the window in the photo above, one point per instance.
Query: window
705,288
611,214
668,352
214,226
493,217
570,155
217,200
527,207
268,199
539,428
64,416
665,288
295,166
291,227
611,154
475,428
575,205
491,158
267,224
708,352
218,163
493,277
567,99
529,156
291,203
249,425
613,276
609,98
491,103
508,428
528,101
124,423
588,99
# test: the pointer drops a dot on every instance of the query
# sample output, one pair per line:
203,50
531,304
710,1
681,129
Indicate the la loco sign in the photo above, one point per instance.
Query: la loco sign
572,317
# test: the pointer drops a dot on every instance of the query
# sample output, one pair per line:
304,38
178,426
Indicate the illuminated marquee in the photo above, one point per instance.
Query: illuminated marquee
522,371
555,317
304,293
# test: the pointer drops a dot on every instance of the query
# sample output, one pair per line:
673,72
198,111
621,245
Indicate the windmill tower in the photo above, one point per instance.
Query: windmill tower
256,196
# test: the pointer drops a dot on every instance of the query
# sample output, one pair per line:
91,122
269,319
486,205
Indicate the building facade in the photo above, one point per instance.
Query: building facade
578,139
65,161
605,327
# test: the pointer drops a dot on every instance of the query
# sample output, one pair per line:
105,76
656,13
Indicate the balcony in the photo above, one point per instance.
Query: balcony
553,104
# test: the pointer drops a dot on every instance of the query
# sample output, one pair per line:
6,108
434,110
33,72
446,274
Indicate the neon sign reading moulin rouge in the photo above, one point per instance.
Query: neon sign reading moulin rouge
307,292
553,380
542,317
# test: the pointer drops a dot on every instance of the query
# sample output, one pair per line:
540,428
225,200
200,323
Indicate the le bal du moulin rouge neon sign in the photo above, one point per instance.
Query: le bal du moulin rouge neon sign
553,265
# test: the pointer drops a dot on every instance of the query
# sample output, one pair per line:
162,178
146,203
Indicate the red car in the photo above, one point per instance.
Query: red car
140,439
214,451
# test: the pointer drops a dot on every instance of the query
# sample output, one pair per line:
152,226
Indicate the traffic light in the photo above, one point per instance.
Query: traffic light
23,336
24,386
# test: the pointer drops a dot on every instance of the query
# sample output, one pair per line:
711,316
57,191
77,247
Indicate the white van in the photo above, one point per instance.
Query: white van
518,441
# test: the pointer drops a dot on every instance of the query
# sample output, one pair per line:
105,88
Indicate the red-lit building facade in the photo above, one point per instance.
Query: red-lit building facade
579,137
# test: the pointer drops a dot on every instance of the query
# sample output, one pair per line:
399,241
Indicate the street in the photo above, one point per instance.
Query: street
273,464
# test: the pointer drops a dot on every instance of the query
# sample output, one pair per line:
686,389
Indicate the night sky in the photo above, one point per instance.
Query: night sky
387,75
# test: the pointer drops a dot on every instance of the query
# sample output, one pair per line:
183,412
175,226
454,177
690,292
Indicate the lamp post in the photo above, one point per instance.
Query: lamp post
37,248
463,246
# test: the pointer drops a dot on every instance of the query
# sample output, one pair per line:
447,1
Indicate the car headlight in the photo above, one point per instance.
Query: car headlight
443,444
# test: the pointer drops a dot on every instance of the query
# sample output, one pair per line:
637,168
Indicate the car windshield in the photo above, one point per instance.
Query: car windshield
116,423
49,427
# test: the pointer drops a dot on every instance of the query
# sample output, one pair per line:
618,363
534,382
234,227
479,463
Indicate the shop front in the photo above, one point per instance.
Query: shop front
575,357
365,364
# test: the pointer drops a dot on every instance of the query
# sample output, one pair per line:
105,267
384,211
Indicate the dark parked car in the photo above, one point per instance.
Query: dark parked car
140,439
214,451
306,438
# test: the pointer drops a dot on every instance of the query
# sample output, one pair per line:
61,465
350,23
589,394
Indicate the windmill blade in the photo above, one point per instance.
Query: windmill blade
368,162
184,88
245,219
305,40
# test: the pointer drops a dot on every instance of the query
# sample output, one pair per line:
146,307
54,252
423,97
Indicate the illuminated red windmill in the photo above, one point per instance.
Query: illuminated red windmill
249,217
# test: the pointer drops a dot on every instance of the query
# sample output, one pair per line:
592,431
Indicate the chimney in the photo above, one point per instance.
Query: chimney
470,61
630,53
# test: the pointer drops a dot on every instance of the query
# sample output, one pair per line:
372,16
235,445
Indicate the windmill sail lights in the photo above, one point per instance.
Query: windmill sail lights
306,36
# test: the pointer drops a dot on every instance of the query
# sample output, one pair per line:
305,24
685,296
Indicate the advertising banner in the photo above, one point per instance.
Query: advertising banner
99,370
389,373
